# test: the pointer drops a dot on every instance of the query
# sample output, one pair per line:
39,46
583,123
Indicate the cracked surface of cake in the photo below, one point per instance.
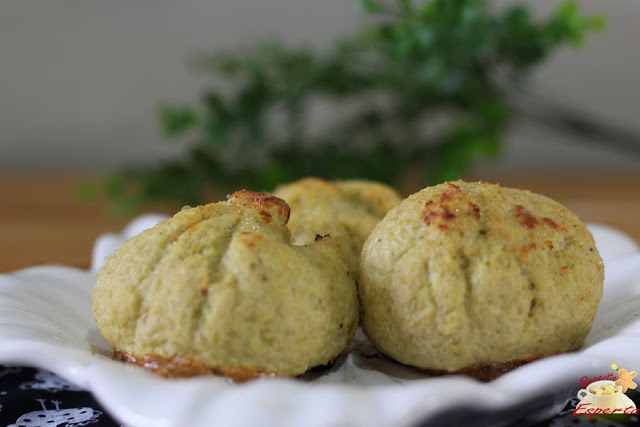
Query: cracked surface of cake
220,289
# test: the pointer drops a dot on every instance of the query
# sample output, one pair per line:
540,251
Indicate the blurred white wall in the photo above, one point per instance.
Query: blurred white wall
79,81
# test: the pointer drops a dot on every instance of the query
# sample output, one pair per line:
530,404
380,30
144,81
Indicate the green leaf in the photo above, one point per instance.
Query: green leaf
406,6
87,192
595,23
370,6
114,185
176,120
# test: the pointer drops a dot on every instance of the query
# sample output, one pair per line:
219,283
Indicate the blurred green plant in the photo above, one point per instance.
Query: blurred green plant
425,88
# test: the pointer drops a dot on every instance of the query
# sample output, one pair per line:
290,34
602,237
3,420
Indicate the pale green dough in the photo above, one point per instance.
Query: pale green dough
221,286
469,274
347,210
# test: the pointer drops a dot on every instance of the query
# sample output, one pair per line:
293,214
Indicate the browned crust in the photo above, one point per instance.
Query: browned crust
266,202
526,218
439,212
181,367
484,372
529,220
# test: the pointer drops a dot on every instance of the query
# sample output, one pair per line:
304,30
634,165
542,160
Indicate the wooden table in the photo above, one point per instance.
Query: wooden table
42,220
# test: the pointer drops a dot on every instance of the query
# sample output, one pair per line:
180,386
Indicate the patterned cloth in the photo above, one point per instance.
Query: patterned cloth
32,397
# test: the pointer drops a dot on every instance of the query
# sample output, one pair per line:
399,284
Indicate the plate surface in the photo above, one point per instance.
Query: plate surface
46,321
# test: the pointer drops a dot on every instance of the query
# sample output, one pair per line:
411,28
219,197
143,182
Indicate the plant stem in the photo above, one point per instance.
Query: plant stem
594,131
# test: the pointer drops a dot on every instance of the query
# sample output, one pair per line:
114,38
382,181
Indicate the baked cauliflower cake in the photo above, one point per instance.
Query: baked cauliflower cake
220,289
347,210
476,278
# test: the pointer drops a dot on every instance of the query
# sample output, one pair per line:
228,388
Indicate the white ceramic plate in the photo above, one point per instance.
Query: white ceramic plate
46,321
